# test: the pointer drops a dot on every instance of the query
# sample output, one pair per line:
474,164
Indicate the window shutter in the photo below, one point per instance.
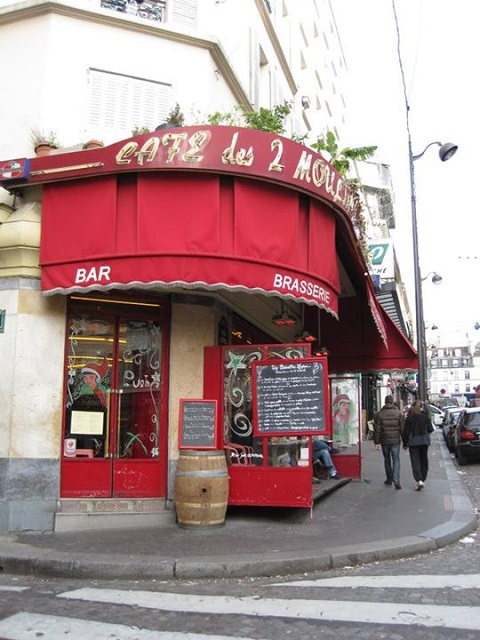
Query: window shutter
118,103
184,12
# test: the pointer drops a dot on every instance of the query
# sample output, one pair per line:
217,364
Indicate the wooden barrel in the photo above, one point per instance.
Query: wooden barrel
201,489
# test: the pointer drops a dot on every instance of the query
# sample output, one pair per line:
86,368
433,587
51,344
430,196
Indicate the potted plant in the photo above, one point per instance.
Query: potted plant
174,119
93,144
138,131
43,142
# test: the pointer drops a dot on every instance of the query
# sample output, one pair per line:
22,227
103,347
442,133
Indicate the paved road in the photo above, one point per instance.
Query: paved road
430,596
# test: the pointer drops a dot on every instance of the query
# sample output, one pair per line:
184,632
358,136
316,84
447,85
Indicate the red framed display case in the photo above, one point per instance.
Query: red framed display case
260,467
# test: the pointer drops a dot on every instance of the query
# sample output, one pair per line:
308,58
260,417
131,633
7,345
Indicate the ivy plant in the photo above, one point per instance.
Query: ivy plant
341,158
269,120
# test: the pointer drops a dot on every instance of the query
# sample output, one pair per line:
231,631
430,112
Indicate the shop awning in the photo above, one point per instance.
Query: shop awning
355,345
214,208
199,231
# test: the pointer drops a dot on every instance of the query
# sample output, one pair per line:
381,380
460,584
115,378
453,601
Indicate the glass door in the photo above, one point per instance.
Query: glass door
115,403
137,396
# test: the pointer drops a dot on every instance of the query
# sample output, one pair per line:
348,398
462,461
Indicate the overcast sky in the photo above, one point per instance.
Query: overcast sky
439,54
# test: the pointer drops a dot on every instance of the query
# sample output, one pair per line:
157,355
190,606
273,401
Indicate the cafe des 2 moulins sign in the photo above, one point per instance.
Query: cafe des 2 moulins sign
222,149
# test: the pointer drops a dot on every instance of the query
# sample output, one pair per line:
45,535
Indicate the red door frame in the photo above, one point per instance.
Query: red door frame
107,477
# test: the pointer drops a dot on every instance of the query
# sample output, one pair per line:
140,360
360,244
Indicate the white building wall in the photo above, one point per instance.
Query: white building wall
49,55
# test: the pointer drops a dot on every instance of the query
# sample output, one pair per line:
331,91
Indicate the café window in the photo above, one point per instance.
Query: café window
239,438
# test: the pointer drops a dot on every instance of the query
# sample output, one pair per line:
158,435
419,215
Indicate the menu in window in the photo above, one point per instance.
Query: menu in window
87,423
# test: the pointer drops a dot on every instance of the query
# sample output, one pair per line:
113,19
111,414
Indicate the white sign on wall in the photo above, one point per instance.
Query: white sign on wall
381,259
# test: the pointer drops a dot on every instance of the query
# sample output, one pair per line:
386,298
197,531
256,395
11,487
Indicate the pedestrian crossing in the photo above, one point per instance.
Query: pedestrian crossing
458,617
421,581
29,626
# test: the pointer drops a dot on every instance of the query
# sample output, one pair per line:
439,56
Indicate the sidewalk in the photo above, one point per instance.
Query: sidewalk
362,521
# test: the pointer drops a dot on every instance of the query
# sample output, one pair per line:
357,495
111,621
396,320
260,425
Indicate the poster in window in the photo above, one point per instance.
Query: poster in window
87,423
346,411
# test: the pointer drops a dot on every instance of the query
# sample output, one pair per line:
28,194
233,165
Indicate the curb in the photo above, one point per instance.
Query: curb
27,560
24,559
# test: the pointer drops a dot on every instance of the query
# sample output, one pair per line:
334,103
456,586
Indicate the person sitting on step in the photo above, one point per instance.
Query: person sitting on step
322,452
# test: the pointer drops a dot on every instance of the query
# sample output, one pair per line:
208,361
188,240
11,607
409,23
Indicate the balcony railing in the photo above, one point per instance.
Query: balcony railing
149,10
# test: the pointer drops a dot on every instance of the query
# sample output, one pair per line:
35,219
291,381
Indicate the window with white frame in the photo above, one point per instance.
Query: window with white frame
117,103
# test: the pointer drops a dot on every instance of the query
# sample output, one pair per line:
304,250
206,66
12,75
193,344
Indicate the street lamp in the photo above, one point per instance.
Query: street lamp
436,278
446,151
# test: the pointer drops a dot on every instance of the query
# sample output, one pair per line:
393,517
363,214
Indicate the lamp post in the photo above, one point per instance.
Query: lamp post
446,151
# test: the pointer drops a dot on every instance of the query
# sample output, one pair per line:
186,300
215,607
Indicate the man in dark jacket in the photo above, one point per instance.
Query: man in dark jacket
387,435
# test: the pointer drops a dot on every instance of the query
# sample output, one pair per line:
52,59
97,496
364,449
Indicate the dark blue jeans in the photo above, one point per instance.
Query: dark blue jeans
391,457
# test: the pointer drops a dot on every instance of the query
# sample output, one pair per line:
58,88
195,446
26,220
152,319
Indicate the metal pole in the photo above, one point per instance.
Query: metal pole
420,325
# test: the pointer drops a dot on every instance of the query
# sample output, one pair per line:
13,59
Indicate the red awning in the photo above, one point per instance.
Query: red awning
355,344
206,208
192,231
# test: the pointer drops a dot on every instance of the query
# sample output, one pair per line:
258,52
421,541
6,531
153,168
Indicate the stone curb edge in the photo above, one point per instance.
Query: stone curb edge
27,560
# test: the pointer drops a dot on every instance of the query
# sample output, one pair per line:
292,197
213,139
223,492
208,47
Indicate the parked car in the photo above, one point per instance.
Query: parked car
436,415
449,424
467,435
442,403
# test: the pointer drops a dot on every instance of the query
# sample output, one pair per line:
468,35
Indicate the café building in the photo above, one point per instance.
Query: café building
166,269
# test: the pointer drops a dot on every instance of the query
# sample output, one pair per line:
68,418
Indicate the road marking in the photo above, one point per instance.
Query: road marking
4,588
456,617
31,626
465,581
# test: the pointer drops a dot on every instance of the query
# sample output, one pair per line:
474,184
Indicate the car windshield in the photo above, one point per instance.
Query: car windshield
472,419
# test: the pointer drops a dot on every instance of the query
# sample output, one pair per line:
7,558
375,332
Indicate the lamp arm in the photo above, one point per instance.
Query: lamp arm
439,144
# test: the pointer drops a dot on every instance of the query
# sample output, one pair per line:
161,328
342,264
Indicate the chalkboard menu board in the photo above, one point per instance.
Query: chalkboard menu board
290,397
198,422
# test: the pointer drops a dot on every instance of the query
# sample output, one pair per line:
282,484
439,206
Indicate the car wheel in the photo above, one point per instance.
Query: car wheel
461,459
